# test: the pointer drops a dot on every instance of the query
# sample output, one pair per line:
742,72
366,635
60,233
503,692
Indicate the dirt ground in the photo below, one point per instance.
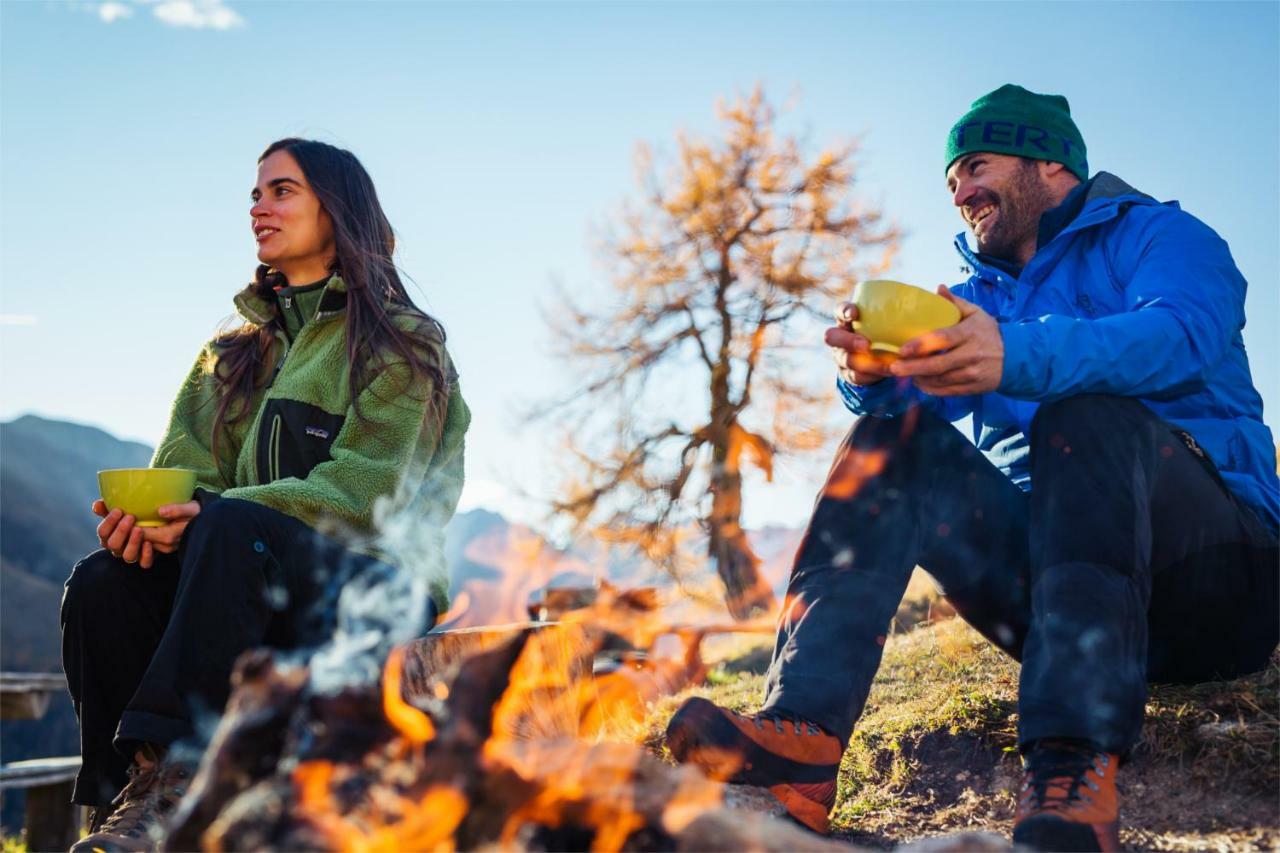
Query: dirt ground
934,752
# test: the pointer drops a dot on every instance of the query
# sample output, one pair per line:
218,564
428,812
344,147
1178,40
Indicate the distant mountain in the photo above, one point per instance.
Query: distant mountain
48,481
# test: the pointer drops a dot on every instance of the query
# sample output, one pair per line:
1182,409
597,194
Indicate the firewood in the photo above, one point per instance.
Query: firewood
245,748
466,766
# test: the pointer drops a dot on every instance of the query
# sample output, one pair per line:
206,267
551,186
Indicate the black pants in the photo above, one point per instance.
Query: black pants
1129,561
149,652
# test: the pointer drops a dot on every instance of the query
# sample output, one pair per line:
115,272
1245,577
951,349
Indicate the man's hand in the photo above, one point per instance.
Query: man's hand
119,535
851,351
967,358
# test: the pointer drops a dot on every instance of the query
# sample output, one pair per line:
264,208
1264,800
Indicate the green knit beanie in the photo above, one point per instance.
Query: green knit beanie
1012,120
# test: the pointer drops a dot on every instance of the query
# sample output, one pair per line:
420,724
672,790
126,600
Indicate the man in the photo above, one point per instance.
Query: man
1118,526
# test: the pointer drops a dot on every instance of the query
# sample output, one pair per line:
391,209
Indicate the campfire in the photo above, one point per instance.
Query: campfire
513,737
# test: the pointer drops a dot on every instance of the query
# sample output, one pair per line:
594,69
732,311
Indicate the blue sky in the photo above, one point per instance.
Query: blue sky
501,137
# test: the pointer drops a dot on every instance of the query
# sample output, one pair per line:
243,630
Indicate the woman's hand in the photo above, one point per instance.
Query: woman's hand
118,533
852,351
165,540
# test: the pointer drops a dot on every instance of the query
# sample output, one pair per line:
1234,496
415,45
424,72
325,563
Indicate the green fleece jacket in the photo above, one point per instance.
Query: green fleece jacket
387,483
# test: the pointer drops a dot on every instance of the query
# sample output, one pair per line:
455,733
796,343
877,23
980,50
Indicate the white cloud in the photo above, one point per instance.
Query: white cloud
198,14
18,320
111,12
193,14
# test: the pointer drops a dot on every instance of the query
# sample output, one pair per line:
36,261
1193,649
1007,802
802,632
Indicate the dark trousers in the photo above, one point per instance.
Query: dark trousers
1128,562
147,652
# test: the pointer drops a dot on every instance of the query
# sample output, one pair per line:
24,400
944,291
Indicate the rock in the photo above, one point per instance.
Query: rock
977,842
1222,730
752,799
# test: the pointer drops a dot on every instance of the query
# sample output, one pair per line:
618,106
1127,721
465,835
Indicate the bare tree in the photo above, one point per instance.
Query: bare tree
725,272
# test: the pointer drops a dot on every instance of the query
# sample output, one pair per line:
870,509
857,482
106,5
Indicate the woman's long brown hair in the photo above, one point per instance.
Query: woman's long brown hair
363,242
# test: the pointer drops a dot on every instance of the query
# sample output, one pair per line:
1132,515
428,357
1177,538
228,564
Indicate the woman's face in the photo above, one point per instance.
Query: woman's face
294,234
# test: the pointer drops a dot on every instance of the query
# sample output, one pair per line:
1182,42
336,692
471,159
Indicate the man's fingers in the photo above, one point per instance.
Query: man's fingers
846,340
862,360
931,365
935,341
966,307
846,313
961,380
100,508
867,367
147,556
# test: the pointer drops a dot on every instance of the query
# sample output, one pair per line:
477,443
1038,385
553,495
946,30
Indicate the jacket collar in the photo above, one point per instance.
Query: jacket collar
1108,197
255,309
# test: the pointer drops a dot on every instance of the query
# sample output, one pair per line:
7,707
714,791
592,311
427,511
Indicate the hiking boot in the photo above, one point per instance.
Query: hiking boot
137,822
1068,799
794,759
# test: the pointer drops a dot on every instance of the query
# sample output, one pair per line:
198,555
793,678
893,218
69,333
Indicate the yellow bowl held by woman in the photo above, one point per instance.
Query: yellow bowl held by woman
891,313
140,492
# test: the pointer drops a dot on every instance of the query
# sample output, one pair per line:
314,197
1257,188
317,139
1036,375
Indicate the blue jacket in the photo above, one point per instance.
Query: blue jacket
1133,298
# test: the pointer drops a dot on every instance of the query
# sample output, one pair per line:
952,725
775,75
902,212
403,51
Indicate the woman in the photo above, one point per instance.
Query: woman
334,407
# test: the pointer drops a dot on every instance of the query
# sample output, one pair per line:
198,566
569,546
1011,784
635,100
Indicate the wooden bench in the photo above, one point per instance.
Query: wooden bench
52,822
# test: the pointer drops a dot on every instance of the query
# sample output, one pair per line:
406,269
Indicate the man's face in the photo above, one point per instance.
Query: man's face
1001,198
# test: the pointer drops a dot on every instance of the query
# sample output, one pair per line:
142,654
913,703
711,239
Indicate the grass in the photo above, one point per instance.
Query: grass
935,750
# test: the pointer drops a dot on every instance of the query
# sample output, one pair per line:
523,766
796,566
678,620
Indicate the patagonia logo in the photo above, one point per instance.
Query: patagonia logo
1017,135
316,432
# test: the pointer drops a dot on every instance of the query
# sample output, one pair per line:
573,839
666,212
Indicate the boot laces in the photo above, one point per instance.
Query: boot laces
1060,784
152,792
780,721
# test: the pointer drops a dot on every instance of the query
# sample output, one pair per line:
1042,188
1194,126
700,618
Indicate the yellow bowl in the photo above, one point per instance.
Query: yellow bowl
141,491
891,313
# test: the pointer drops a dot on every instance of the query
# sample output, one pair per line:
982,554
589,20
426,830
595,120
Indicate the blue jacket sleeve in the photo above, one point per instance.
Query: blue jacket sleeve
891,397
1183,303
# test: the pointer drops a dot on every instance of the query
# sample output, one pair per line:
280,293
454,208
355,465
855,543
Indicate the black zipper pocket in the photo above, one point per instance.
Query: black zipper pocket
293,438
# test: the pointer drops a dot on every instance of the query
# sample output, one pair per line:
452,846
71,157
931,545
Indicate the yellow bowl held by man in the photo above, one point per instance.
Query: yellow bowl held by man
140,492
891,313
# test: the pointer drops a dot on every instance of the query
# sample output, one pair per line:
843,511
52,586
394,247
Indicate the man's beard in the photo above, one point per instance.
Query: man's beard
1019,206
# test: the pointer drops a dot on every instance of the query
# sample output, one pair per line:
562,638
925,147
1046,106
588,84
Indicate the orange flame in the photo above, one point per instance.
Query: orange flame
461,604
427,824
312,779
408,720
569,734
592,786
853,470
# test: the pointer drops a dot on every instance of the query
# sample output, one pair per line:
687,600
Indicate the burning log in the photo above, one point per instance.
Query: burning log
366,770
564,655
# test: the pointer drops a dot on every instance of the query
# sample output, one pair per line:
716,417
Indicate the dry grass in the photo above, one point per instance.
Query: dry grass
935,750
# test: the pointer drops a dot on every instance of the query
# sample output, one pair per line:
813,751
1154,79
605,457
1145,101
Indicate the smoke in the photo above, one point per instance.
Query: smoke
371,607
